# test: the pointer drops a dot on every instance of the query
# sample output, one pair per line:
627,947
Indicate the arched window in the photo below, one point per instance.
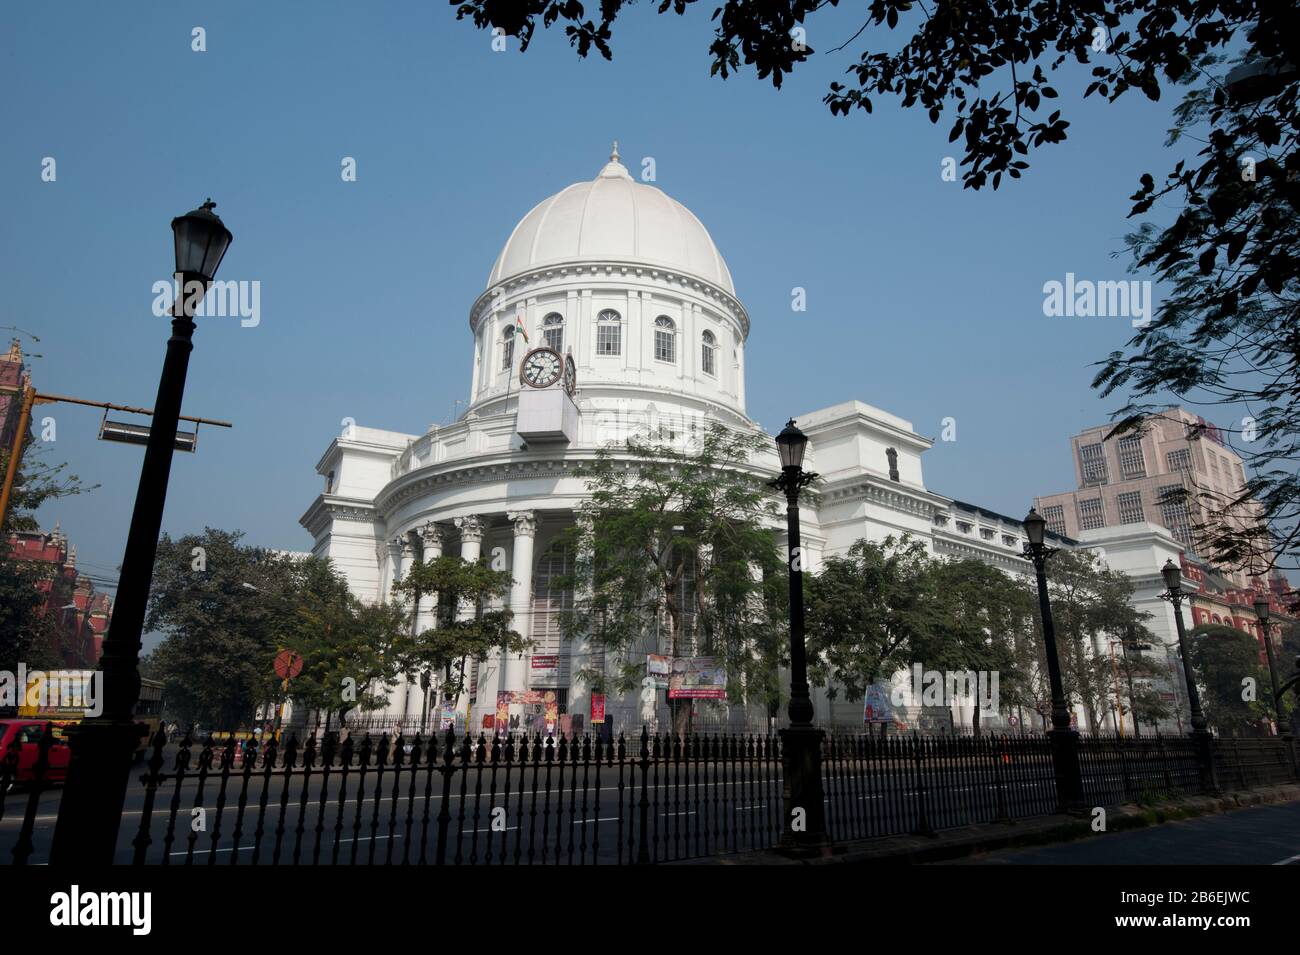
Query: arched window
553,331
708,353
508,348
665,339
550,601
609,333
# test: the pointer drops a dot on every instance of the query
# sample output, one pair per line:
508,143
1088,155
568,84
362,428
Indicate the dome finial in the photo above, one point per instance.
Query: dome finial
613,153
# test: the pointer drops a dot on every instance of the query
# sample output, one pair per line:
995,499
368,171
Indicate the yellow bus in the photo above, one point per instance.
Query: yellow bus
72,687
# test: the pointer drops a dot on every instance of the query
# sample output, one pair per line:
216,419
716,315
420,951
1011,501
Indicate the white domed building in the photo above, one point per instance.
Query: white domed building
632,323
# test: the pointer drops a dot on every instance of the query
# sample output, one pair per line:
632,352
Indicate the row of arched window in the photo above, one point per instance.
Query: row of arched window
609,340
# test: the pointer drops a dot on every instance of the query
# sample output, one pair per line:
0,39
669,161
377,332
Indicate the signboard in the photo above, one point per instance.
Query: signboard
545,669
660,668
448,718
597,707
1168,697
288,664
697,678
875,705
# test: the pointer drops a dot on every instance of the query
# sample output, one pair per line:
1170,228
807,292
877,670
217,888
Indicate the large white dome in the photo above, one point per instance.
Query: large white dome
612,218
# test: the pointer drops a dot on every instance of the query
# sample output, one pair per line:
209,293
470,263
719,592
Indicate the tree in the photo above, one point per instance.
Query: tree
1226,663
1227,334
1139,674
981,613
676,554
470,625
867,612
226,610
350,650
27,633
1091,604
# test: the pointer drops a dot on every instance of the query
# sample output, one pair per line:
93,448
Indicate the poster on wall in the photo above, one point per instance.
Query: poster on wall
597,707
697,678
448,719
876,707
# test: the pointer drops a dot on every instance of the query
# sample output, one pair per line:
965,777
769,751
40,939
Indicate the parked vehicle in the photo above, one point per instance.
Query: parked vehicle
28,733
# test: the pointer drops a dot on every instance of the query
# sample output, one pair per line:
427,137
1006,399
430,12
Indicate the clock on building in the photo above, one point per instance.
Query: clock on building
541,368
570,375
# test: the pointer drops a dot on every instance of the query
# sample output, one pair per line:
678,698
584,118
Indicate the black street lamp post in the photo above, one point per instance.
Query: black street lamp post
102,746
1261,614
1065,740
1175,594
804,827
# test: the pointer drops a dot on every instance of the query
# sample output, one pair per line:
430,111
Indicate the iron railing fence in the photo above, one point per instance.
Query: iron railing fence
1255,761
578,800
1119,769
917,784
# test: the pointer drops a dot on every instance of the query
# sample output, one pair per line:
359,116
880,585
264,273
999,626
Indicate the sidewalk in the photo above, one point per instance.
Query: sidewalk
1041,830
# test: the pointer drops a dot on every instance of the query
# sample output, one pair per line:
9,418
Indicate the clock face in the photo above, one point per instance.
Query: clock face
541,368
570,375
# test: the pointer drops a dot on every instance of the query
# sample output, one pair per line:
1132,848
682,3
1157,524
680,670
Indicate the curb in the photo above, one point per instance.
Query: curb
1042,830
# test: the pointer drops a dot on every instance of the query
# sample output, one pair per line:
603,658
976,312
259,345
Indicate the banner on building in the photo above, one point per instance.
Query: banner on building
876,707
598,707
551,711
448,719
545,669
697,678
503,710
659,667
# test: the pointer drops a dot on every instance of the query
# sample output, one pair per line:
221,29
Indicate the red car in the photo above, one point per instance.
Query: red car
28,733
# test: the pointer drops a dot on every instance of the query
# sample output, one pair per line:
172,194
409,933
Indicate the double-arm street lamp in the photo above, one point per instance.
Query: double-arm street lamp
1261,614
1065,740
102,746
1174,593
804,827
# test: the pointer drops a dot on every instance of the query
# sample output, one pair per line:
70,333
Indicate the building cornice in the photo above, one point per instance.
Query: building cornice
328,508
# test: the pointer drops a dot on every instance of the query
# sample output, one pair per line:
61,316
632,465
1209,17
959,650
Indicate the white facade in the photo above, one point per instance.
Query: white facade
628,283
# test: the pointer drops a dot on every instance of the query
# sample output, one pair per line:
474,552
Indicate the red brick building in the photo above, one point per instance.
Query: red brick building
14,378
82,614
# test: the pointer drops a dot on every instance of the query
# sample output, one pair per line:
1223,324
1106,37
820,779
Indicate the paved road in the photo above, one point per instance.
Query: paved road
1262,835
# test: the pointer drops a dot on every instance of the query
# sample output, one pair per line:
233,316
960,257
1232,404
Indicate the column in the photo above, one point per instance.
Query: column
514,675
580,658
471,529
431,540
394,570
405,547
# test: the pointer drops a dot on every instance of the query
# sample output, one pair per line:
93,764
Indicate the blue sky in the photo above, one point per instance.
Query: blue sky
924,299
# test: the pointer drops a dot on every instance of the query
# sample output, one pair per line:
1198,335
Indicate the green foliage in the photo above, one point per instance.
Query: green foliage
1222,658
481,626
1091,605
868,611
676,553
227,609
27,634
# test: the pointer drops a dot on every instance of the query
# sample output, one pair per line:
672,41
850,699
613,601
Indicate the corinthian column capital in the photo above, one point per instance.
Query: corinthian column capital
525,522
471,528
433,537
